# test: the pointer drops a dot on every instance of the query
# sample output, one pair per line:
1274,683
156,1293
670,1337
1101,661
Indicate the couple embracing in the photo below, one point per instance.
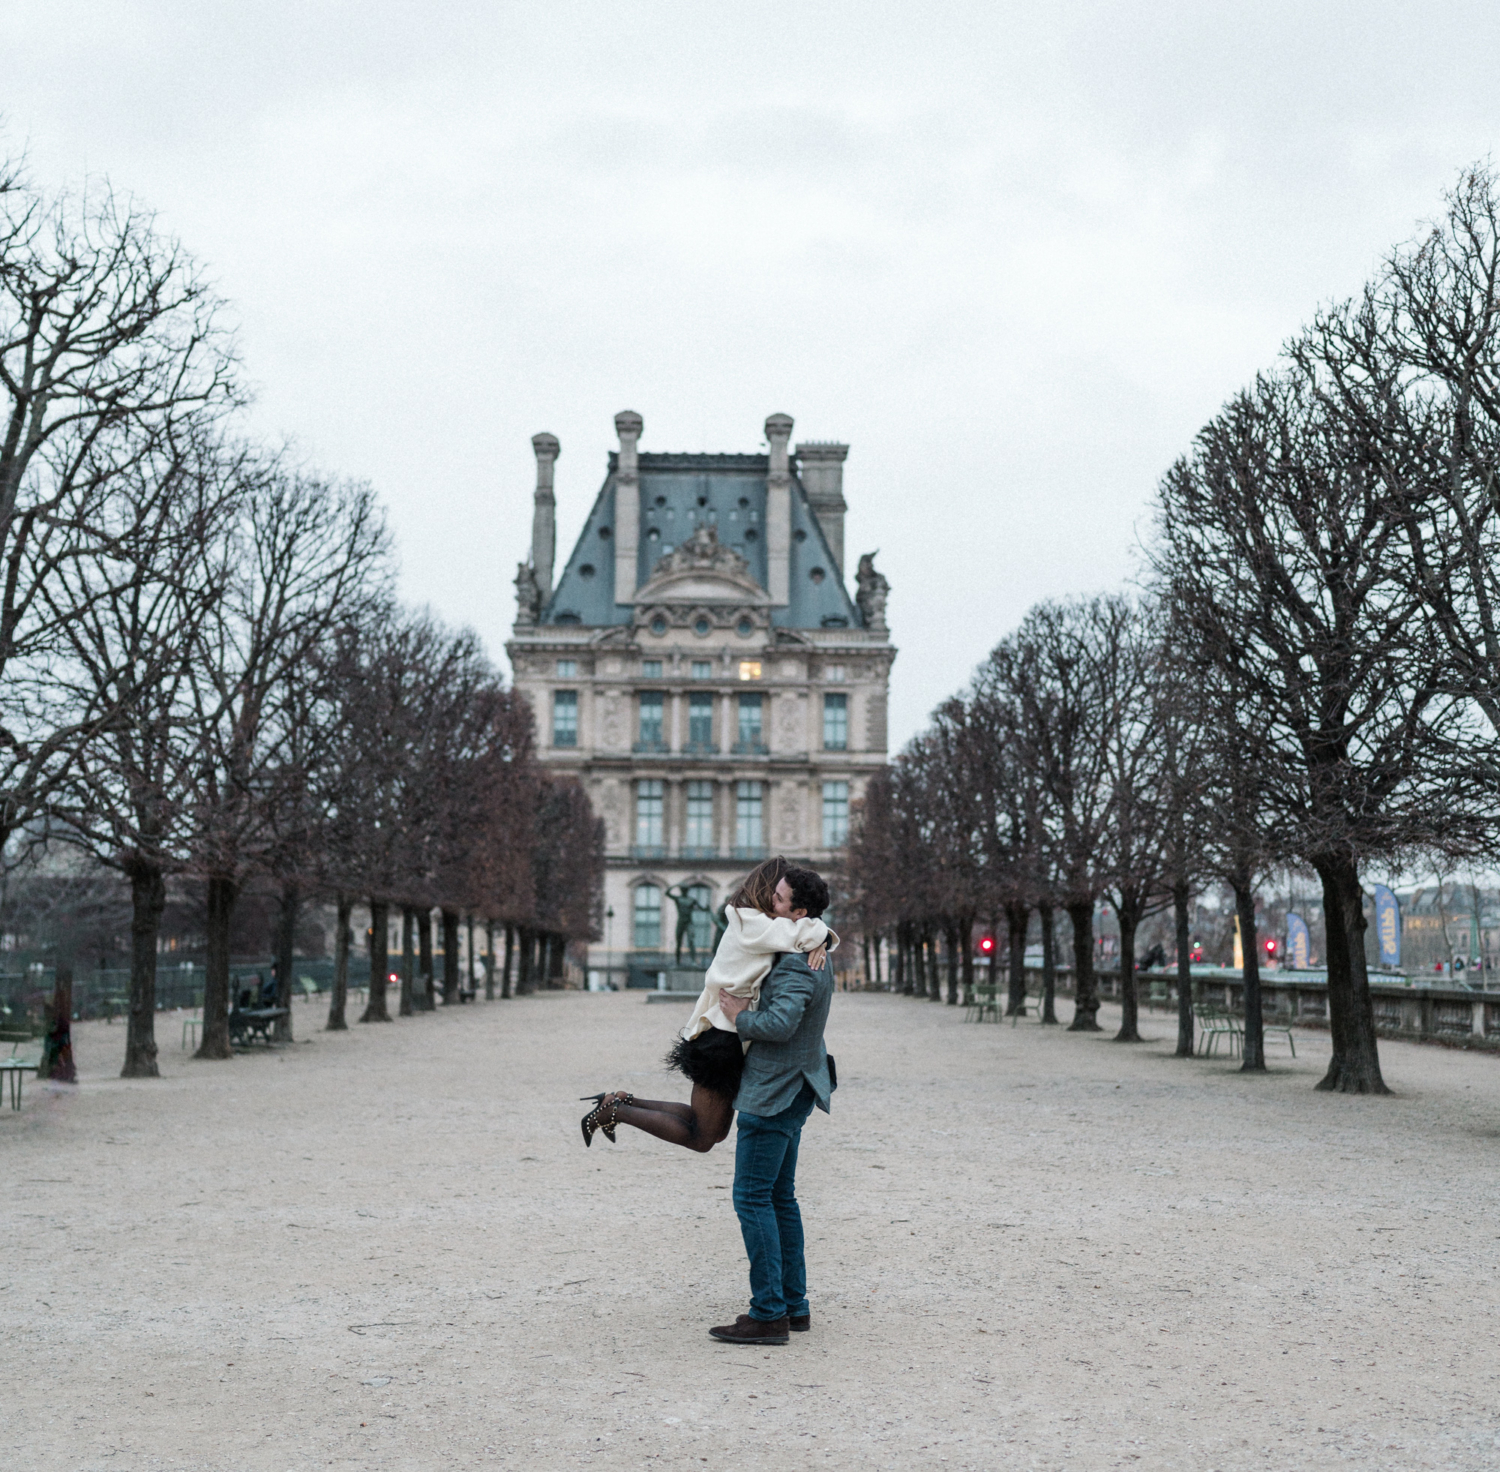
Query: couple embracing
755,1041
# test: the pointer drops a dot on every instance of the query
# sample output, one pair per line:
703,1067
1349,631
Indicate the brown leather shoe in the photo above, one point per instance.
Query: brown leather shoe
800,1323
746,1330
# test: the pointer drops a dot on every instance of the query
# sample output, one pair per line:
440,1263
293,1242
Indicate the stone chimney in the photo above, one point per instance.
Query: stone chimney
821,466
628,425
544,513
779,510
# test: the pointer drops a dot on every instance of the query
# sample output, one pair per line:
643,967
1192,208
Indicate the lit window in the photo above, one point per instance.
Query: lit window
567,669
748,829
702,669
749,727
700,719
700,815
647,917
835,722
651,669
565,718
648,801
834,674
651,718
749,669
835,814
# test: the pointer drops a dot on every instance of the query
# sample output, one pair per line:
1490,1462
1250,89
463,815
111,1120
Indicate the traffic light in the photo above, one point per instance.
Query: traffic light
1270,949
986,944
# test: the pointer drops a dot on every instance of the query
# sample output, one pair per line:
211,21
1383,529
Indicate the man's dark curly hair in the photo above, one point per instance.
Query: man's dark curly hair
809,891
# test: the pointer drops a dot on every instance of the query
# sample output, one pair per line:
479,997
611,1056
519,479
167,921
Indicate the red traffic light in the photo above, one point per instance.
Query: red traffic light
986,944
1270,948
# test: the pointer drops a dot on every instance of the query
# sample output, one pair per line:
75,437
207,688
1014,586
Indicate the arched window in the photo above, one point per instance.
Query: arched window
647,917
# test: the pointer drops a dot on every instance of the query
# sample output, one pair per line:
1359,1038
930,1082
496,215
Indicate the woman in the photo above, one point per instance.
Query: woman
763,921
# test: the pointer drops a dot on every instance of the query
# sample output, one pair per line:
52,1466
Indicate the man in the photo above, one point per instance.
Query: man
787,1072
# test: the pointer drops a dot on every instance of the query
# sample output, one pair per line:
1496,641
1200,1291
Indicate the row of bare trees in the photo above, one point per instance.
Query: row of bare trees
1309,678
204,674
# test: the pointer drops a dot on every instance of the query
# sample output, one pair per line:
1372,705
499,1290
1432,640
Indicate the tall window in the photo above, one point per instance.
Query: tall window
749,729
749,669
648,803
567,669
702,669
835,722
749,830
703,927
651,722
565,718
700,719
647,917
651,669
700,817
835,814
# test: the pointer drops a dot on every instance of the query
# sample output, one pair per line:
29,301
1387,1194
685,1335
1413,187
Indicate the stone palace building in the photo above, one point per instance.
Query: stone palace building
702,667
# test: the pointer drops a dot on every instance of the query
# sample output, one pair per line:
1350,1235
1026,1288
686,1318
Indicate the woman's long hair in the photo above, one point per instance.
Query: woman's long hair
758,892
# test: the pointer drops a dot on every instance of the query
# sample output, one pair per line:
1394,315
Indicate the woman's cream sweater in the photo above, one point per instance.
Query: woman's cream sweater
747,950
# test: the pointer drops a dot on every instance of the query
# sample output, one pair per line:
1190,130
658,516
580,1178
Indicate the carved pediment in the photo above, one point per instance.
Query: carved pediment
702,570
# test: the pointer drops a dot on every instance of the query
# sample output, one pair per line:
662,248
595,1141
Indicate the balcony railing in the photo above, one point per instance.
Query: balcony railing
750,748
650,748
757,851
648,850
700,851
700,748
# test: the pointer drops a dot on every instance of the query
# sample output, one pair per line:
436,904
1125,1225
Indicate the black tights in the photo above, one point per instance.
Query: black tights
697,1126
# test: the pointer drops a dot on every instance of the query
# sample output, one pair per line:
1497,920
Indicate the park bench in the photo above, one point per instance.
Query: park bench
308,987
18,1065
247,1023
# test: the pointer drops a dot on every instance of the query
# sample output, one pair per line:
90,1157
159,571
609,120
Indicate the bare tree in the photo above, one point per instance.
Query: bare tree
307,556
126,643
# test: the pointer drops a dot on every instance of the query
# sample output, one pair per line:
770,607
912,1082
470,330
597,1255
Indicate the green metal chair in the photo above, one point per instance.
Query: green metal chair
1215,1023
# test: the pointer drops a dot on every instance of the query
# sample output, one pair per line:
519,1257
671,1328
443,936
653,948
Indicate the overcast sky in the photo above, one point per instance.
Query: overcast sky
1014,254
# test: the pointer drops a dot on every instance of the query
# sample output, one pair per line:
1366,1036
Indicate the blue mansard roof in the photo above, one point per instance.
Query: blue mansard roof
678,494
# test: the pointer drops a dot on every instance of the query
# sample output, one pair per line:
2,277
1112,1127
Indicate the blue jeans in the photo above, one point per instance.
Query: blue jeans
765,1199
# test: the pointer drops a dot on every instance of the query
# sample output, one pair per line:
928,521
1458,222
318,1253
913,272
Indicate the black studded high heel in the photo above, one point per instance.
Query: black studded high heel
591,1098
594,1120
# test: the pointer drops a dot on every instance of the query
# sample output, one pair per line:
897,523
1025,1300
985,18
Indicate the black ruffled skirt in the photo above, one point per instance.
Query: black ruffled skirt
715,1059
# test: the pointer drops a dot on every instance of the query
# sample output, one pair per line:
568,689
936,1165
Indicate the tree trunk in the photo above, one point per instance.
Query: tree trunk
1180,898
408,960
214,1041
468,982
1130,1006
339,999
950,942
523,961
900,976
864,941
966,940
426,993
934,972
286,944
1049,963
380,962
148,898
1254,1050
56,1063
450,958
1355,1065
1085,987
510,946
1017,916
489,960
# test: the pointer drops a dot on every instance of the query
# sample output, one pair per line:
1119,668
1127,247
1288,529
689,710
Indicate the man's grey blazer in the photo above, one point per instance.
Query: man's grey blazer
786,1034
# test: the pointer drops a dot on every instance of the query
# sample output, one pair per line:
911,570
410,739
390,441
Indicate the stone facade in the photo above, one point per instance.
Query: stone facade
701,665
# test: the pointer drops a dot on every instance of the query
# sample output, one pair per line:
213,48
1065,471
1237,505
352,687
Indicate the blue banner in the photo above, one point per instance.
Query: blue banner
1388,926
1298,942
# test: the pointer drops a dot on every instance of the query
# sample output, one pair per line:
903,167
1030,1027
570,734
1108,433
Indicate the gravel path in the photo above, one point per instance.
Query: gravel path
389,1249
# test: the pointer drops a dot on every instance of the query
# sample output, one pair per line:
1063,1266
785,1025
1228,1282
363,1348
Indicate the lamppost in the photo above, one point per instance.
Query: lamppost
609,944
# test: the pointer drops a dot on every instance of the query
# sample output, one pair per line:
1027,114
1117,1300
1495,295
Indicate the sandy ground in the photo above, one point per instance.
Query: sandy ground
1028,1248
